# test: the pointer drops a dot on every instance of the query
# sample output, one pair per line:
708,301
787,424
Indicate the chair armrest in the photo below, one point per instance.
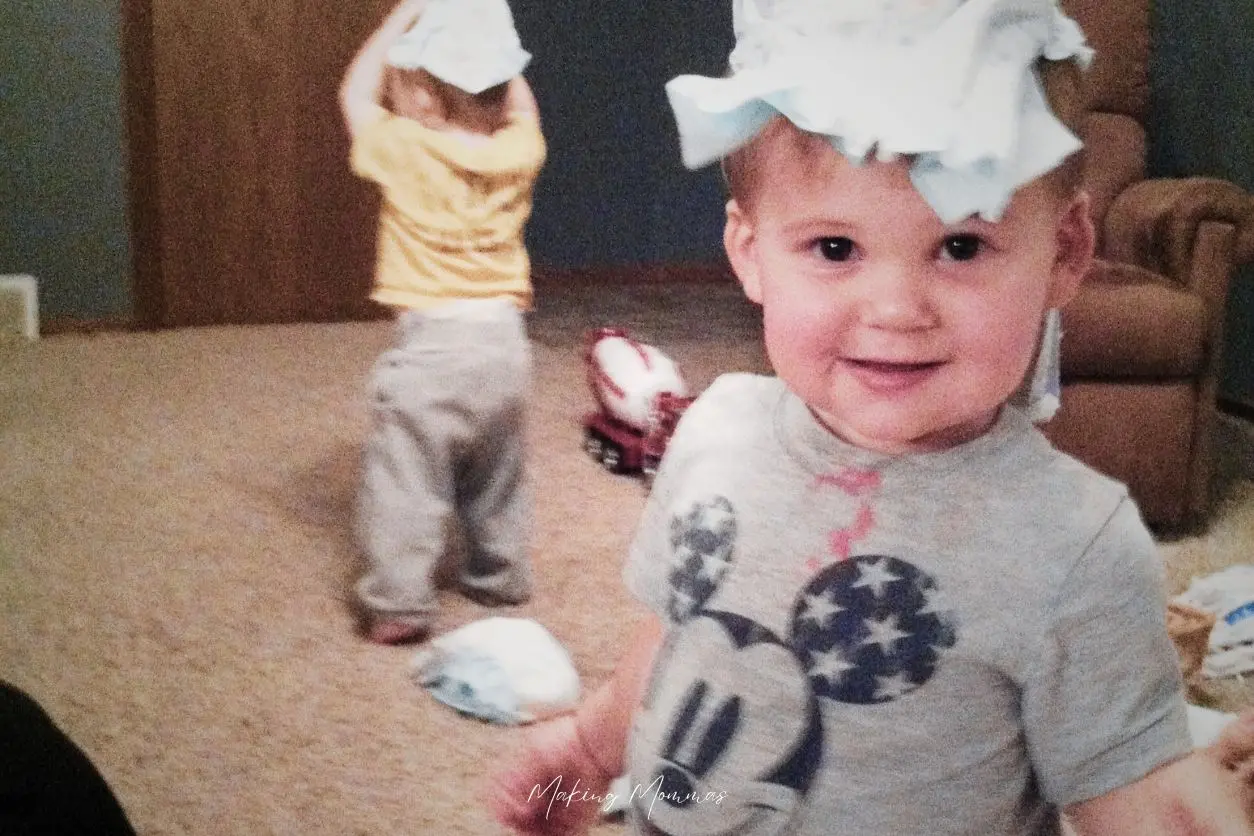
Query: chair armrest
1155,224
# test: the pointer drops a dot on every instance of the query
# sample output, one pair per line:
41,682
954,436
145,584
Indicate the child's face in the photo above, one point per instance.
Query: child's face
902,333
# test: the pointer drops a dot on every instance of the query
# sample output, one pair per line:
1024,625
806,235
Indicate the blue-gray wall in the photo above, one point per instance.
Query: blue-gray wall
62,164
613,192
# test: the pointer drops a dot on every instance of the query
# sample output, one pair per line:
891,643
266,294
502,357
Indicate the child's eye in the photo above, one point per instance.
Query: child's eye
839,248
962,247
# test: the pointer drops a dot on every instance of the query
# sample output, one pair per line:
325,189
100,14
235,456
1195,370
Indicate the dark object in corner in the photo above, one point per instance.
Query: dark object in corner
48,786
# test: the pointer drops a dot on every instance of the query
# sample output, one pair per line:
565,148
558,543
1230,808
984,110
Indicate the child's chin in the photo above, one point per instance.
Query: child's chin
895,437
889,437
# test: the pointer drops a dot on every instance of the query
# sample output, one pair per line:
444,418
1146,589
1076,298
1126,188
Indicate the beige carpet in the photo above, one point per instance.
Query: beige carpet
175,563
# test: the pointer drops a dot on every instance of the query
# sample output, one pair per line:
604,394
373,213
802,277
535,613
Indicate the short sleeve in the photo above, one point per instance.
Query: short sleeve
1104,704
382,146
647,570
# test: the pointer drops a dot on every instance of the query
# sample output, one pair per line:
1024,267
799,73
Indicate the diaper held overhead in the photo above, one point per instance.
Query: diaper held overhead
471,44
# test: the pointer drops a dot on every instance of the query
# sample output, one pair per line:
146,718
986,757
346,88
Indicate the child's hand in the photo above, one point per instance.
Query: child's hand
361,91
411,9
1233,753
552,787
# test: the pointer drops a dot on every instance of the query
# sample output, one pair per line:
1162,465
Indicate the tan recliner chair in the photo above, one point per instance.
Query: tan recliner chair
1143,339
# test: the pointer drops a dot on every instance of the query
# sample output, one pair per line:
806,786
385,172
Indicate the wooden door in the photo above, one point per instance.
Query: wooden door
243,207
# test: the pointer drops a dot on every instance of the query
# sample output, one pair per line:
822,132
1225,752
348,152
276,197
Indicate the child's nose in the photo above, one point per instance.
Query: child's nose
895,298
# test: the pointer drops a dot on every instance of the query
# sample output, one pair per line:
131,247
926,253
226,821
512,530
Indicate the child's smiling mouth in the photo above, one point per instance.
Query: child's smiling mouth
891,375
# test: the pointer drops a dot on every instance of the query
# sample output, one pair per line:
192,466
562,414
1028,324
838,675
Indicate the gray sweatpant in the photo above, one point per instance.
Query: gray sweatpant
447,446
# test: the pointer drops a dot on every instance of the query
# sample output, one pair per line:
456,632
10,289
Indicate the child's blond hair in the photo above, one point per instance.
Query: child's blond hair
490,104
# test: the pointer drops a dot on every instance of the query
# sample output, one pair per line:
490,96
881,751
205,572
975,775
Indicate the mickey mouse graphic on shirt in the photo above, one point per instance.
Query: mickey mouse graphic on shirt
735,708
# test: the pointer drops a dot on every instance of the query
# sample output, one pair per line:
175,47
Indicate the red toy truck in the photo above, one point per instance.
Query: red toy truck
640,397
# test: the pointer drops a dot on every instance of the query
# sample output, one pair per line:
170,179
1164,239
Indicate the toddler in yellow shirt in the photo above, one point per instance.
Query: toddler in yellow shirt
443,122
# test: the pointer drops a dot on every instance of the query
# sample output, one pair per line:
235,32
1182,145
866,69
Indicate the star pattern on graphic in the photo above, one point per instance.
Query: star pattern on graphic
884,632
934,599
681,601
876,576
712,567
713,515
891,687
830,665
871,629
820,609
702,540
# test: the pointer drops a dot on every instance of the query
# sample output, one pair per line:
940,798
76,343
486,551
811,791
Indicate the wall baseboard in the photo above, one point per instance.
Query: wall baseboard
82,325
542,275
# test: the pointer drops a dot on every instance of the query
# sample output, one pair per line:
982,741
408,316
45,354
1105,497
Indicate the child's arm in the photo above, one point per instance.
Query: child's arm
604,719
361,91
578,754
1208,793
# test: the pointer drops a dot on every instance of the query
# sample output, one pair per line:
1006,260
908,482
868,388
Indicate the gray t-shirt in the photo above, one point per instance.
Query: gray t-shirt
958,642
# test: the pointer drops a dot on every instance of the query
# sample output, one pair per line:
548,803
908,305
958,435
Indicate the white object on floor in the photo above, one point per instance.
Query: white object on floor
1229,595
24,291
505,670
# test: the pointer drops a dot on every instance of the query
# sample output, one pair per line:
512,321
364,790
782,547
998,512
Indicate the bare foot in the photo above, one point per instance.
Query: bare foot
389,631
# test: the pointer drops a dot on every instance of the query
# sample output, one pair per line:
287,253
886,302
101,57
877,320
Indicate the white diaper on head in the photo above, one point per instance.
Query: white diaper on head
471,44
950,83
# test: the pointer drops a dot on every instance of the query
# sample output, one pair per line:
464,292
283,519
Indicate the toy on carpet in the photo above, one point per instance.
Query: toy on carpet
640,397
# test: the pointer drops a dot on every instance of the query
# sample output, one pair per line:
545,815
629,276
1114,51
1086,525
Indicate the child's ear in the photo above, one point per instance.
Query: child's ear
1076,240
739,238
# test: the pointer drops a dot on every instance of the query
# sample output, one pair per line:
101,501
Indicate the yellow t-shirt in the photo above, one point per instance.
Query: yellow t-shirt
454,210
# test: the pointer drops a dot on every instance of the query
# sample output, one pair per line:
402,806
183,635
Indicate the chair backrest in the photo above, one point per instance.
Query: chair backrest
1117,96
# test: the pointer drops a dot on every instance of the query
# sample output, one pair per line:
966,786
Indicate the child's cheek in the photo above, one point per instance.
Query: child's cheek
804,325
1009,349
